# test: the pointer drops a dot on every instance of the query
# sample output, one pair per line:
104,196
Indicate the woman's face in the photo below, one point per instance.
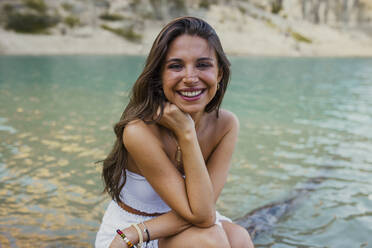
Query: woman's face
190,73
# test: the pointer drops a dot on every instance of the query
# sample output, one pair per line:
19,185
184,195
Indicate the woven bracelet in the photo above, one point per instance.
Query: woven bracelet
145,230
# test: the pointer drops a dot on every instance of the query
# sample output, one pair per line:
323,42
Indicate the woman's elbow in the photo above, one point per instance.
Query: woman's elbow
205,221
205,224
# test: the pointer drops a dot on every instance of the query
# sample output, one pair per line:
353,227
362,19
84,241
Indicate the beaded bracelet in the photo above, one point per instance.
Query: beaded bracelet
130,245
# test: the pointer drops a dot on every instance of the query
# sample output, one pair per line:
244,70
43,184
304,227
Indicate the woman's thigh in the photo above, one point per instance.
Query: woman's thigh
214,236
238,237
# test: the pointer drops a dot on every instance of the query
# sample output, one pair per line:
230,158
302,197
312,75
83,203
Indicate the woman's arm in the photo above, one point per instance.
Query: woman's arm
165,225
218,165
219,162
182,195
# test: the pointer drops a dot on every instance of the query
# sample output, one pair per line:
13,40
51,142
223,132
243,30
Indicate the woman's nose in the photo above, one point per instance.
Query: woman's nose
190,80
190,75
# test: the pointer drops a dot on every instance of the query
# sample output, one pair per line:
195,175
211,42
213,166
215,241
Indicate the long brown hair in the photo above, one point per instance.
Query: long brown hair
147,93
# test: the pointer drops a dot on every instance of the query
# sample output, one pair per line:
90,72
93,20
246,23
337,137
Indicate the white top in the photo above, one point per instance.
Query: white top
136,193
139,194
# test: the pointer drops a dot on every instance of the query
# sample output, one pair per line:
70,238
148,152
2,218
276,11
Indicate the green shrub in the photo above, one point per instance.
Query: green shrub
270,24
30,23
67,6
148,15
135,3
179,4
8,8
242,10
276,7
38,5
127,33
299,37
259,5
111,17
204,4
71,21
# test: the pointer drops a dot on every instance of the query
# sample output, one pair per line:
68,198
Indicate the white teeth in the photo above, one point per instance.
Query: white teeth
190,93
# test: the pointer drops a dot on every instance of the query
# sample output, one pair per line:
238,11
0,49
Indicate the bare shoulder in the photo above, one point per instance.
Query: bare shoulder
137,132
229,117
134,128
227,121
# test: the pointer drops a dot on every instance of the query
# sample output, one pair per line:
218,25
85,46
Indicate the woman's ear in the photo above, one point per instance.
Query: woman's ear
220,74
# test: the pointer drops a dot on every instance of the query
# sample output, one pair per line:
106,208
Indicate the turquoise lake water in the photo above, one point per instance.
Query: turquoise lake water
300,118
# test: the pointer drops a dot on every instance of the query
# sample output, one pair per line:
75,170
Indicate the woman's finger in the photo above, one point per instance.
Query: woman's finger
167,106
158,112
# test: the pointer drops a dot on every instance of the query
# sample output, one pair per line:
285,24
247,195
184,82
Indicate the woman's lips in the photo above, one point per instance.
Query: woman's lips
191,95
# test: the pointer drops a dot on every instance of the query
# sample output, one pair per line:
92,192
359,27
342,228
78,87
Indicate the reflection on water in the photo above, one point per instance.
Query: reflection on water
299,118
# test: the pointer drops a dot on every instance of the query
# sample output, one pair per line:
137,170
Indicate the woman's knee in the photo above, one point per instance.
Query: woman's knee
242,239
213,236
238,237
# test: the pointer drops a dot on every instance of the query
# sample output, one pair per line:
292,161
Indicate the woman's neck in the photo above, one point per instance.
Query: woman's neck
197,117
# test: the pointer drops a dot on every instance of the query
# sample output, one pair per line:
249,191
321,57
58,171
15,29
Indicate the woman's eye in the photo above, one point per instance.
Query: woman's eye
175,66
203,65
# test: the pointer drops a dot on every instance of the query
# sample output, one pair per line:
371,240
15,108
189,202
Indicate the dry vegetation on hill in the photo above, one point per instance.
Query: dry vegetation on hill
262,27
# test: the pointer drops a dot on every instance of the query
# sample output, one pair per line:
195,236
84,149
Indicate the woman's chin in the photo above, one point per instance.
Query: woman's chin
191,109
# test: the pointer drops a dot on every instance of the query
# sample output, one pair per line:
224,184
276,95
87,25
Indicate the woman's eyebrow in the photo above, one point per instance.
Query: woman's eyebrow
205,58
173,60
178,60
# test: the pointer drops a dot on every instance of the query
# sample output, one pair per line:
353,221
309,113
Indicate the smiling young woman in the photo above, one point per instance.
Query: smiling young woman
191,73
173,149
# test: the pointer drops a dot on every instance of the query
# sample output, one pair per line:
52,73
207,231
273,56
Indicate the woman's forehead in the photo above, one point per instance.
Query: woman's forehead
190,46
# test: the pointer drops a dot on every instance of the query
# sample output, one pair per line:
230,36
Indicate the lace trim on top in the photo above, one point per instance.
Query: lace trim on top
139,194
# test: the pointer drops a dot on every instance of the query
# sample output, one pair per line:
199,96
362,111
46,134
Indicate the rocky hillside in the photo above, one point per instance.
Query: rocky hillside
262,27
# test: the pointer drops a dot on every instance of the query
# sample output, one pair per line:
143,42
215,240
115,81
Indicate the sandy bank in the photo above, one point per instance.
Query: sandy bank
240,35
